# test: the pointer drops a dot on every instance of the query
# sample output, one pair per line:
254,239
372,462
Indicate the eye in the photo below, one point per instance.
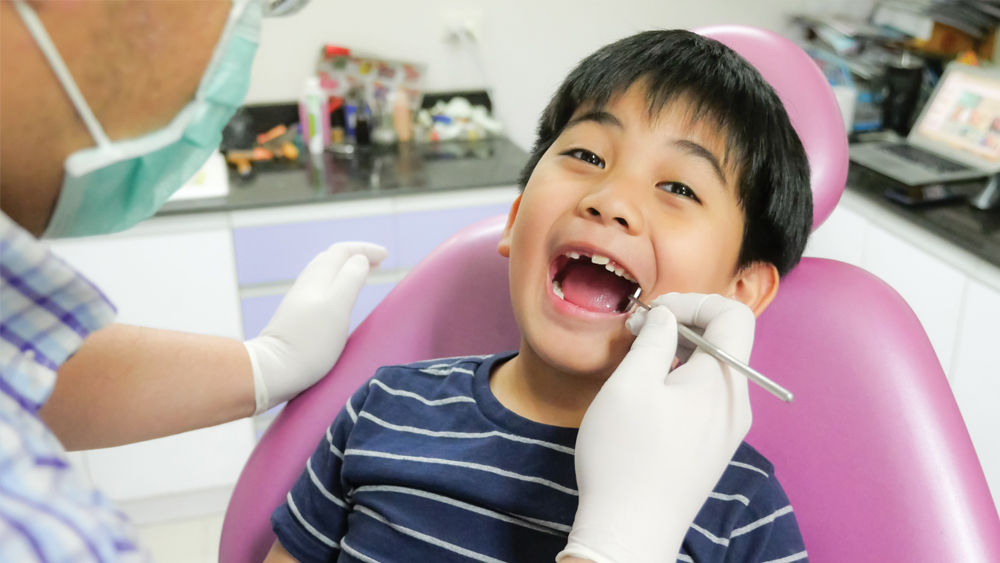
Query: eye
678,188
586,156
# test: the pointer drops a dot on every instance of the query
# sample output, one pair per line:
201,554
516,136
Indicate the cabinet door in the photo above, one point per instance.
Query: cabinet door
932,288
976,381
258,310
279,253
841,237
178,279
420,232
172,280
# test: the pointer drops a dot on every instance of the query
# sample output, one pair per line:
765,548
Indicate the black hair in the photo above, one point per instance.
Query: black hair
721,86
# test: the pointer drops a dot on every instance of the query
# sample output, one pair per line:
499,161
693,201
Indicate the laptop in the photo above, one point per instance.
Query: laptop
956,137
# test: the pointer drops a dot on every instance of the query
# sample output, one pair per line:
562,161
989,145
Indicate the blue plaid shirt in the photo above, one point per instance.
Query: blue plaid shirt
48,510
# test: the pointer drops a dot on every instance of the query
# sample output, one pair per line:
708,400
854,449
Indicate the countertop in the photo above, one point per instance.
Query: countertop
977,232
375,172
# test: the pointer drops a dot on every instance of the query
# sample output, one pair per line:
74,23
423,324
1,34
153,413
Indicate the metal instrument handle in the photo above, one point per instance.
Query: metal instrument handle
720,354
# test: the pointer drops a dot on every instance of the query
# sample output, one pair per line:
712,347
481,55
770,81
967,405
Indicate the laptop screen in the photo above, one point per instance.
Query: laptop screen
964,114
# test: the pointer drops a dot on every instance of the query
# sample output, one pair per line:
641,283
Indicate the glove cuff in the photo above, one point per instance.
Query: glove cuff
604,545
259,387
582,552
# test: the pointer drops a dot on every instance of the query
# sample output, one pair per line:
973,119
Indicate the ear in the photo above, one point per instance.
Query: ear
503,247
756,286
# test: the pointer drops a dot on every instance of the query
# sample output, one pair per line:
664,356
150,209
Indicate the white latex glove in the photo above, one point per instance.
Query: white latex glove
308,331
652,446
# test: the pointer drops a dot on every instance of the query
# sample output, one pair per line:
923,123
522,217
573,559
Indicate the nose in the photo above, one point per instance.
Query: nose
613,204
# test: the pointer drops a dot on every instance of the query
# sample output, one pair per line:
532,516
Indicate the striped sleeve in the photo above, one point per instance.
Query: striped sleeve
746,519
313,519
767,531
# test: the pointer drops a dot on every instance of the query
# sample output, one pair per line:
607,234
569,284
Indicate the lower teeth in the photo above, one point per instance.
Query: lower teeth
557,289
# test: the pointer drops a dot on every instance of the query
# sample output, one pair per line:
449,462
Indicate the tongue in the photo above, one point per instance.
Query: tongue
593,287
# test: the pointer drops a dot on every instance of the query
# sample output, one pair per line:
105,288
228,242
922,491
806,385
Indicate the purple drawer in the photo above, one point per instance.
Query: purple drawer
277,253
257,311
421,232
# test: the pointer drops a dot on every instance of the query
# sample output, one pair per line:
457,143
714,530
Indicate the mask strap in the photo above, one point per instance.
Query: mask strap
37,31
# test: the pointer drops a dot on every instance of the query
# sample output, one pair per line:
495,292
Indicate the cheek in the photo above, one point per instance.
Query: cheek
697,259
544,203
528,252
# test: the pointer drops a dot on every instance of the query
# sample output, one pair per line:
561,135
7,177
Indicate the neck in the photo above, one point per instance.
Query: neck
539,392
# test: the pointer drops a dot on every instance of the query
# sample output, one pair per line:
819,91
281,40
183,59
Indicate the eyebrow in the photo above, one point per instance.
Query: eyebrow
600,117
695,149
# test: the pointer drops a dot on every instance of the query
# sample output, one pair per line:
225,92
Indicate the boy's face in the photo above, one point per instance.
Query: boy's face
652,195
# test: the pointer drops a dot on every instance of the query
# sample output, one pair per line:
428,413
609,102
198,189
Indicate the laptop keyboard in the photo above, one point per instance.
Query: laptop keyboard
924,158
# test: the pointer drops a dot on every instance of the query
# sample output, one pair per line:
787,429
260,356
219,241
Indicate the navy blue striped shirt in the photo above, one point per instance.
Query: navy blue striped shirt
424,464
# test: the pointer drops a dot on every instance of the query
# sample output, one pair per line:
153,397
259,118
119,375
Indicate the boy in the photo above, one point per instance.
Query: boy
664,162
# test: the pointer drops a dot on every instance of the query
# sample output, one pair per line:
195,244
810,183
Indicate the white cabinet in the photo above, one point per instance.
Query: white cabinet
976,378
841,237
209,458
931,287
176,274
955,295
929,273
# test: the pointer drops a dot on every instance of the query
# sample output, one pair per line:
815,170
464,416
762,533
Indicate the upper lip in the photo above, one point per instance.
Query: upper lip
587,249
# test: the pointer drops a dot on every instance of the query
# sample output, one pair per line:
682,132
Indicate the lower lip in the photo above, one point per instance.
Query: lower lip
570,309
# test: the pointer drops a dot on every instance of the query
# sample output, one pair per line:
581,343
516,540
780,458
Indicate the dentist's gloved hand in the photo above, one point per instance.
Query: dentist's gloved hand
308,331
652,446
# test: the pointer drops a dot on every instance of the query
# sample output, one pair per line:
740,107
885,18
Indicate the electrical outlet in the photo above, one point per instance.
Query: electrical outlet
460,26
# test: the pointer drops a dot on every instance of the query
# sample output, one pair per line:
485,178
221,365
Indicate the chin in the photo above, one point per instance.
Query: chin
585,355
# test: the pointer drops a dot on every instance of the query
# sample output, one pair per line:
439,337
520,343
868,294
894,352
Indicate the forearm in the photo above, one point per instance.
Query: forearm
128,384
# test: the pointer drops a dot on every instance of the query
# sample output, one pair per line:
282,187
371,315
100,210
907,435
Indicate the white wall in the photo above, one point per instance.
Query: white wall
526,46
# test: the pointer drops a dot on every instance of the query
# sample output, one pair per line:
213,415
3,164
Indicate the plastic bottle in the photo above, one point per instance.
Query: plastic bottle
314,115
351,113
383,132
363,124
402,120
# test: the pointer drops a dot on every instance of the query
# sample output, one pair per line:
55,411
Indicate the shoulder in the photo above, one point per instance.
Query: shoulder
748,481
434,382
440,367
748,516
749,469
435,378
755,474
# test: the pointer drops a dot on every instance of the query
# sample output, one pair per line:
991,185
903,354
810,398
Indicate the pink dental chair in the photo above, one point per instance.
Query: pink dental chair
873,453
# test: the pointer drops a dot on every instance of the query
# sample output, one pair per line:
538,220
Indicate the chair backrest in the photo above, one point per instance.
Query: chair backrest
811,106
873,452
427,315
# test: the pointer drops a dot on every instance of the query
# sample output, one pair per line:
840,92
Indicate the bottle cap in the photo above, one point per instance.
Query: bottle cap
330,51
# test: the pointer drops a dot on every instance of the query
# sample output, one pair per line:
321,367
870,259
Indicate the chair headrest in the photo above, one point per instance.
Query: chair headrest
809,101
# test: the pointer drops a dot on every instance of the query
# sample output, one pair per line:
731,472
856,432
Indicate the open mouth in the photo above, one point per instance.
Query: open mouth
592,282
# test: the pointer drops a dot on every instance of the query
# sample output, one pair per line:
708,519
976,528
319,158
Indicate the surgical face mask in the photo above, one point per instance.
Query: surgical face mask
113,186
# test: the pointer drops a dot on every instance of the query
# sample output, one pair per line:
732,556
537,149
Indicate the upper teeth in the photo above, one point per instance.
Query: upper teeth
606,262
